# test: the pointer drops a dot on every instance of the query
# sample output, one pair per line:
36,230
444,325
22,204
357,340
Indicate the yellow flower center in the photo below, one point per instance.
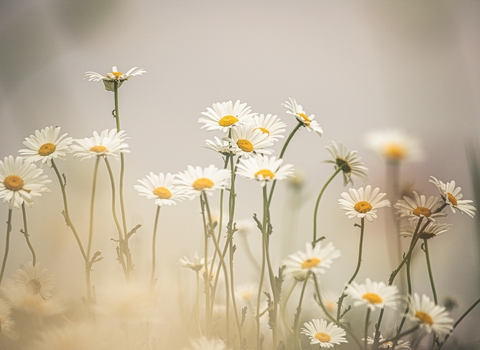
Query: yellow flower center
13,182
227,120
362,207
117,75
394,151
342,163
372,298
424,317
34,286
246,295
323,337
245,145
99,149
267,174
306,119
422,211
330,305
202,183
309,263
452,199
265,131
162,193
46,149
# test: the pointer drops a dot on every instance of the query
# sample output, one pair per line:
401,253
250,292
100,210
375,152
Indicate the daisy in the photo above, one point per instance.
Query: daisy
196,180
34,281
114,76
315,259
225,115
453,197
401,345
419,207
394,145
296,110
196,265
160,187
46,145
246,294
431,317
246,141
6,323
206,344
431,230
264,169
221,146
326,335
373,294
363,203
20,181
271,125
349,161
106,144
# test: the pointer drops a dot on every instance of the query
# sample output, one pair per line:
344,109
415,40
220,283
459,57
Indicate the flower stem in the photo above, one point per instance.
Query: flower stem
7,244
206,273
367,321
297,340
27,236
430,273
154,245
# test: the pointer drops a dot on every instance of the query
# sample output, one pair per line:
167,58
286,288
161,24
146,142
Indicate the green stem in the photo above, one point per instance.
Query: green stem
27,236
285,302
259,294
206,276
154,245
430,273
297,340
367,321
7,244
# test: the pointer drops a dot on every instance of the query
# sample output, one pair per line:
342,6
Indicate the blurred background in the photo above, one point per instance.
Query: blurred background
358,66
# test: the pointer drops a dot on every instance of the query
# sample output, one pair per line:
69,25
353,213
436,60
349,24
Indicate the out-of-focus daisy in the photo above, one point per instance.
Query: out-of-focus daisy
45,145
418,206
221,146
20,181
206,344
264,169
327,335
246,141
246,294
108,143
394,145
296,110
373,294
197,180
315,259
431,317
114,76
196,264
225,115
431,230
6,323
363,203
32,280
401,345
271,125
245,226
160,187
453,197
349,161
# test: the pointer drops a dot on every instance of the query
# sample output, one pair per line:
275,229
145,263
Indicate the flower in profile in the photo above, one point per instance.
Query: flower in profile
327,335
431,317
246,141
314,259
46,145
221,146
20,181
114,76
296,110
419,206
384,344
373,294
34,281
363,203
348,161
453,197
196,264
108,143
271,125
225,115
196,180
203,343
394,145
431,230
160,187
264,169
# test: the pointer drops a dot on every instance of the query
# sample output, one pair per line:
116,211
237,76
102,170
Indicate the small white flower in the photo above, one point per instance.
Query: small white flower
46,145
34,281
196,264
296,110
373,294
246,294
114,76
196,180
221,146
160,187
431,230
394,145
327,335
108,143
225,115
264,169
431,317
247,142
363,203
349,161
401,345
271,125
453,197
419,207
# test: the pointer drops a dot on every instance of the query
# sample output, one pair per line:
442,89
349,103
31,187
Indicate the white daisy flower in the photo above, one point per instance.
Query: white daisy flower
34,281
196,264
20,181
394,145
419,206
296,110
246,141
225,115
453,197
46,145
221,146
373,294
114,76
431,230
246,294
401,345
108,143
363,203
160,187
271,125
245,226
327,335
431,317
349,161
206,344
264,169
196,180
315,259
6,322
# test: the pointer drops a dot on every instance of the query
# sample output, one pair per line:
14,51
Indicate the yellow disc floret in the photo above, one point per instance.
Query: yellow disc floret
394,151
117,75
98,149
452,199
266,174
363,207
305,119
13,182
162,193
263,130
245,145
323,337
309,263
424,318
227,120
372,298
422,211
202,184
46,149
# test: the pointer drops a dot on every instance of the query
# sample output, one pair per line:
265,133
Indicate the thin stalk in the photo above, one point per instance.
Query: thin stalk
297,341
259,294
430,273
365,334
285,306
154,245
7,244
197,303
206,276
27,236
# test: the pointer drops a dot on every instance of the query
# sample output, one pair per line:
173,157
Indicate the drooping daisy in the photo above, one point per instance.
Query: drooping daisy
20,181
34,281
349,161
114,76
315,259
419,206
363,203
160,187
327,335
264,169
221,146
108,143
225,115
383,344
46,145
453,197
373,294
431,230
206,344
271,125
307,120
246,141
394,145
431,317
196,180
196,264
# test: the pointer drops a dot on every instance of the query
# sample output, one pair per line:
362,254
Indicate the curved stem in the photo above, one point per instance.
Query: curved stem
92,205
430,273
27,236
154,245
7,244
206,273
299,311
284,306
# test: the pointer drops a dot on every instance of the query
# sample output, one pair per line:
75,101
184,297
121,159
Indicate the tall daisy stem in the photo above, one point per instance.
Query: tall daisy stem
206,273
297,342
365,334
27,236
7,244
154,246
430,272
